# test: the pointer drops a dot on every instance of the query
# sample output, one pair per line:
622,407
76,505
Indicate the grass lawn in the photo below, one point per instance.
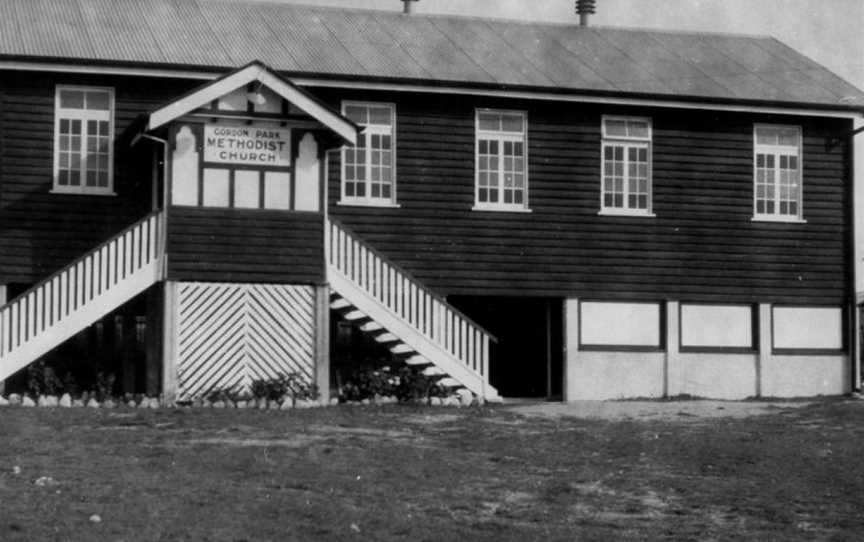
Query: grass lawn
412,473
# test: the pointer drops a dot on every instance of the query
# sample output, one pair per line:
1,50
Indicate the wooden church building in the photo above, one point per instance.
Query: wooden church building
211,192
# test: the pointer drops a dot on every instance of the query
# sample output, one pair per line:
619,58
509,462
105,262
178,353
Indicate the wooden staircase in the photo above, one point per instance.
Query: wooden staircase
402,314
81,293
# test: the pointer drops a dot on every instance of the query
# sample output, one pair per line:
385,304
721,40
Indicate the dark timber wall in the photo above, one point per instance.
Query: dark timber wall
236,245
701,246
41,232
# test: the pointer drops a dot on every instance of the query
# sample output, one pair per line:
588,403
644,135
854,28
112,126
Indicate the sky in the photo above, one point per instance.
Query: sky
828,31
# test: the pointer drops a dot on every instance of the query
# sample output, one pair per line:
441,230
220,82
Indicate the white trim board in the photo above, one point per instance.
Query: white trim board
408,87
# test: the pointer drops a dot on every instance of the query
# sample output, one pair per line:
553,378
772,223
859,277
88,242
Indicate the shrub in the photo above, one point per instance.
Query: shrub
43,380
293,385
407,383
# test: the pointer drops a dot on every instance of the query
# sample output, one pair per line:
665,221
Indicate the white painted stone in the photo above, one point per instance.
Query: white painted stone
131,403
93,403
435,401
78,403
242,404
42,401
3,401
108,403
14,399
466,398
287,404
334,401
65,401
26,401
219,404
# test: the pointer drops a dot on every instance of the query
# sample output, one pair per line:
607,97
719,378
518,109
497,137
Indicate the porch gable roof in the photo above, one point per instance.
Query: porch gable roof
255,71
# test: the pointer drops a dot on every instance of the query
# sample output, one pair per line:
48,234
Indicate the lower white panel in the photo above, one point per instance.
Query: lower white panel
717,376
614,375
716,326
229,335
620,324
806,376
808,327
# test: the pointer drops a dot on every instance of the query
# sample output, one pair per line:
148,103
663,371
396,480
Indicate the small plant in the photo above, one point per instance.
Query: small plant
105,385
226,395
293,385
414,386
43,380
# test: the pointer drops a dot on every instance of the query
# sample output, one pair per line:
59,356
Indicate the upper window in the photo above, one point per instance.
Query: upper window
83,140
368,168
502,179
626,166
777,191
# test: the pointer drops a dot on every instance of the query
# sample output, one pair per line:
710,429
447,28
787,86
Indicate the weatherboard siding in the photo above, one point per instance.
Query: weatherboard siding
702,245
249,246
41,232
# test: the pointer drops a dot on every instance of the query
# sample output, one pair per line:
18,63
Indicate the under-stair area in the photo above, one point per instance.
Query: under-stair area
401,313
80,294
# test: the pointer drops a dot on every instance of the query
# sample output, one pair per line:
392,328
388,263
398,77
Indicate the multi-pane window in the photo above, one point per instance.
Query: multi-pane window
626,165
777,181
368,168
83,140
501,158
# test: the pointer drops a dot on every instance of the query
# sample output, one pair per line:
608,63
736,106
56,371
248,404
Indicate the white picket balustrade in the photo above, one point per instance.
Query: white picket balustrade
428,313
103,278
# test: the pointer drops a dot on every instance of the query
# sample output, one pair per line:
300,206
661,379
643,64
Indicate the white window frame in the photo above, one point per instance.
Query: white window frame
776,150
368,200
628,142
83,115
501,137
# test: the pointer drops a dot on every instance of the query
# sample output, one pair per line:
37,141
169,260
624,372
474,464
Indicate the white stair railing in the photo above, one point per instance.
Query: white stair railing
71,298
406,297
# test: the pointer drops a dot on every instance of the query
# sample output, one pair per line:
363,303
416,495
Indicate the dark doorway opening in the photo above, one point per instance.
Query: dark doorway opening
528,359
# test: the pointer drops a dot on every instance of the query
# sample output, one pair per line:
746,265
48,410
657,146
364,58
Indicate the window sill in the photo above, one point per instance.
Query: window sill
82,192
361,203
501,209
778,219
624,212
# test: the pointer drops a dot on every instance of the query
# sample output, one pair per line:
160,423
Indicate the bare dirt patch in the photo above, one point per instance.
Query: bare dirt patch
677,411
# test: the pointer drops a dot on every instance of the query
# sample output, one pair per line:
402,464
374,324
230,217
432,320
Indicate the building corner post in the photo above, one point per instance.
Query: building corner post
322,342
571,349
857,297
673,376
4,297
169,342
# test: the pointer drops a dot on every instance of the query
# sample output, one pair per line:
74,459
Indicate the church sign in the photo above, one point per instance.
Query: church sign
247,145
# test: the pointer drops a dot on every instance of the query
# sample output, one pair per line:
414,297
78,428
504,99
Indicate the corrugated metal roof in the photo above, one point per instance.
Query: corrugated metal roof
326,41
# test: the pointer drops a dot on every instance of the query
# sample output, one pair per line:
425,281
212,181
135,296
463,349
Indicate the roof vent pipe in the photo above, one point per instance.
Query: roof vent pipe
406,5
584,8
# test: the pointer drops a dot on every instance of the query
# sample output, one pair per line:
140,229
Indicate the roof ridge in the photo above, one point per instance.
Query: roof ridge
574,24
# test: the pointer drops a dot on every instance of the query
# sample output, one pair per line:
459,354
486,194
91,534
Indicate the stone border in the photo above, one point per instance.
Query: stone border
462,399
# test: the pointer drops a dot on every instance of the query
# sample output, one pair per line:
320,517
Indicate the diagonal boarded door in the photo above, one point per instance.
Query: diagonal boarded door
229,335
